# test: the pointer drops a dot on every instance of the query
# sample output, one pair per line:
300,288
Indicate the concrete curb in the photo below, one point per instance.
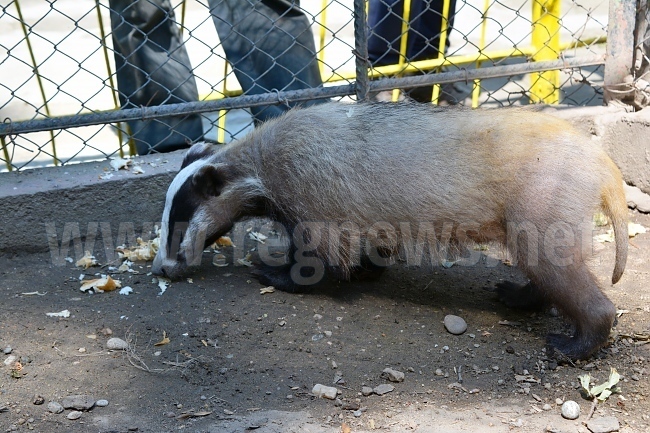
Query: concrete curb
36,200
57,203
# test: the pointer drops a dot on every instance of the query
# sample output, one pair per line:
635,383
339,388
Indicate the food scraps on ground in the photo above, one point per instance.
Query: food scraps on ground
103,284
86,261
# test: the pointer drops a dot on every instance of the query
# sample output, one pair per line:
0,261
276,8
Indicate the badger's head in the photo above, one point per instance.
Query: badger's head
203,202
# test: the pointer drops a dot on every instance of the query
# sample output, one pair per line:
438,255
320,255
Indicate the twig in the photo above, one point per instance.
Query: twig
594,403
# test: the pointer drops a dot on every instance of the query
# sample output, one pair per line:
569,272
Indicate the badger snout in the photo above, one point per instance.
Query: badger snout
167,268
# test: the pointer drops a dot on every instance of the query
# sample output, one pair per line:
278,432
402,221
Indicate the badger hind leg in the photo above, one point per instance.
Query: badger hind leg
575,292
524,297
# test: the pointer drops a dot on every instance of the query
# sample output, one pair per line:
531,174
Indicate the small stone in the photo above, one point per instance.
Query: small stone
117,344
7,350
439,372
350,405
54,407
106,331
101,403
317,317
454,324
383,388
10,360
559,401
546,407
366,391
75,414
38,400
133,428
78,402
393,375
82,350
570,409
357,413
605,424
323,391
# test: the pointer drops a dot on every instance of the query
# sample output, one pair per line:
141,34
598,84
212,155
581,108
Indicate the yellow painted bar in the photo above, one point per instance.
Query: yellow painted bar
423,65
38,76
476,91
435,94
403,42
545,86
221,121
5,152
102,34
321,38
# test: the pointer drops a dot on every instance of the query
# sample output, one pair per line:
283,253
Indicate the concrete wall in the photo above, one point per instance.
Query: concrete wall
36,201
33,200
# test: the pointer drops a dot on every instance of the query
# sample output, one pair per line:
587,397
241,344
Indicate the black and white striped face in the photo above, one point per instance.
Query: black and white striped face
194,215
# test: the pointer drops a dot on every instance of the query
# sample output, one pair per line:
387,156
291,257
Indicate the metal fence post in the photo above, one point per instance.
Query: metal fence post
361,49
620,46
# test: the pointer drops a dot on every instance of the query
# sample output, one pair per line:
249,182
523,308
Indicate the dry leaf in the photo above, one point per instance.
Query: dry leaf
265,290
164,341
192,415
86,261
103,284
345,428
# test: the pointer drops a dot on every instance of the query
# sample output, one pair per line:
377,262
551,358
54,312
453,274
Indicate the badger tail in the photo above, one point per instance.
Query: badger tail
615,206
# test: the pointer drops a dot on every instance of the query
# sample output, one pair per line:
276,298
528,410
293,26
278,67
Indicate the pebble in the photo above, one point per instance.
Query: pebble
383,388
439,372
75,414
454,324
366,391
7,350
570,409
101,403
393,375
117,344
323,391
547,407
54,407
10,360
78,402
38,400
604,424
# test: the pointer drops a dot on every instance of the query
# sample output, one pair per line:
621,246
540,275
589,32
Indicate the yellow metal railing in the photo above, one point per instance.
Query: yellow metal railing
23,25
546,42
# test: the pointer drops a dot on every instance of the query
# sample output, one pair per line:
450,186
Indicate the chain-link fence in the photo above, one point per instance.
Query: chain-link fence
91,80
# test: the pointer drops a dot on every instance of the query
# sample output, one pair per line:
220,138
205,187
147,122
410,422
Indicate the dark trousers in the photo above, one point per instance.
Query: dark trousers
269,44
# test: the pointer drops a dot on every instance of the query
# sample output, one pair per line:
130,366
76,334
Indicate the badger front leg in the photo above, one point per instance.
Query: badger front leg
302,270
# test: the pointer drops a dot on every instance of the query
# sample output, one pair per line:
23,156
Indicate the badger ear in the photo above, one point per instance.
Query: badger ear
210,179
198,151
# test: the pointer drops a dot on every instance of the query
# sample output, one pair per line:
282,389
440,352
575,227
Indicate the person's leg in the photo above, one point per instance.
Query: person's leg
153,68
270,46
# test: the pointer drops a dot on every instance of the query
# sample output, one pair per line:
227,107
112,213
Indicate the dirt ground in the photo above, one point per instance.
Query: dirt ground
240,361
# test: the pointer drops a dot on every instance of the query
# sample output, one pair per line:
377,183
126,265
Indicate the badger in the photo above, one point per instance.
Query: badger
390,177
